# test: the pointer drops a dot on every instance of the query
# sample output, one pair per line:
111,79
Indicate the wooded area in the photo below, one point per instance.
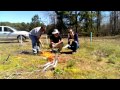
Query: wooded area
97,57
82,22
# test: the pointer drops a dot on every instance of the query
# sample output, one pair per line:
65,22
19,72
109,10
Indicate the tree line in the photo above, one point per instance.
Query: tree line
35,21
82,22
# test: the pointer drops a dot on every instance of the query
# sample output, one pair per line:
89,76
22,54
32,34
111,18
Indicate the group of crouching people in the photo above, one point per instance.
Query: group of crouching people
56,40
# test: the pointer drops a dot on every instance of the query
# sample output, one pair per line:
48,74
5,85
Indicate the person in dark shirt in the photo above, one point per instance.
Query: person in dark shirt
56,40
73,40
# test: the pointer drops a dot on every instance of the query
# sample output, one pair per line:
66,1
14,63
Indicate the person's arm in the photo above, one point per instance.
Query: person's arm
39,33
39,36
38,41
68,39
51,42
76,37
60,40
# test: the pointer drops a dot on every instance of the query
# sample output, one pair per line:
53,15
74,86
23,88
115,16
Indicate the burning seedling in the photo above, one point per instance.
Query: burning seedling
52,60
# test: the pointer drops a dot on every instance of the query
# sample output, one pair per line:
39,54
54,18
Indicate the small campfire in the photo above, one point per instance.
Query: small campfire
53,59
51,56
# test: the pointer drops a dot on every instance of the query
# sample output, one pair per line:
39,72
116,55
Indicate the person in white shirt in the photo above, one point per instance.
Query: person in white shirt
35,35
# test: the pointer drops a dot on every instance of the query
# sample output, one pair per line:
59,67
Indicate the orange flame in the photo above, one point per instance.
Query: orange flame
49,55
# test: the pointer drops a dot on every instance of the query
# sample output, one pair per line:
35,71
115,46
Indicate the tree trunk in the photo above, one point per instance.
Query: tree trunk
98,22
60,24
114,22
76,20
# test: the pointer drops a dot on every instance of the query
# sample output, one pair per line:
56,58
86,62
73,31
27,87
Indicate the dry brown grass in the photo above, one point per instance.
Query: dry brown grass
89,62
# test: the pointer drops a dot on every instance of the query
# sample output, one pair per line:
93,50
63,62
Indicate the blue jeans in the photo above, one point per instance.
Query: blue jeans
35,41
74,46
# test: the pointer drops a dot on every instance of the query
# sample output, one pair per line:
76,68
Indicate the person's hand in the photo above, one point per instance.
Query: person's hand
52,44
70,39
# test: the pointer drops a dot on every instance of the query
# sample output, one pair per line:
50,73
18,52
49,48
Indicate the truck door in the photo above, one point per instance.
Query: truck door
8,33
1,33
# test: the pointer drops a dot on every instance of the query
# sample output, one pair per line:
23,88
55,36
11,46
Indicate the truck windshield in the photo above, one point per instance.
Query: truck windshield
13,29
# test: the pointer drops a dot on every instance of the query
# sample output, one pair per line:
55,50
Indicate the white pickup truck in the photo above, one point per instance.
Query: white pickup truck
9,33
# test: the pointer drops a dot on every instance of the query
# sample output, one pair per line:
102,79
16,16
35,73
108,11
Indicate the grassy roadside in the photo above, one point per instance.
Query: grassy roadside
97,60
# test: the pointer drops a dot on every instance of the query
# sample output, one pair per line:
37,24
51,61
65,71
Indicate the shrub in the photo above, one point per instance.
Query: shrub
70,63
112,59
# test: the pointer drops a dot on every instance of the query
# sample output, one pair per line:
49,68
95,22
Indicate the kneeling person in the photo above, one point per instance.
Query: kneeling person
56,40
73,40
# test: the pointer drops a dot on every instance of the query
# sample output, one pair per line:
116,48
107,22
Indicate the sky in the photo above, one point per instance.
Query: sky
24,16
105,17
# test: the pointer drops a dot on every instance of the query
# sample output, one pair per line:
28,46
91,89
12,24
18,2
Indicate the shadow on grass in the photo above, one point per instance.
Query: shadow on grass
62,52
7,42
66,52
30,53
25,52
3,42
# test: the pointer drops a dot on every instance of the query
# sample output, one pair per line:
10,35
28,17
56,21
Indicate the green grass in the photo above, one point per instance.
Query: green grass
97,60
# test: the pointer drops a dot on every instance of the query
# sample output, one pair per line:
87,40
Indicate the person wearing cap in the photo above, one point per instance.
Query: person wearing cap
35,35
56,40
73,40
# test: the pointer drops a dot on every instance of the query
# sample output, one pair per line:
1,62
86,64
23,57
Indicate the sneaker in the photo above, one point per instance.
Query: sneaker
66,46
69,47
34,51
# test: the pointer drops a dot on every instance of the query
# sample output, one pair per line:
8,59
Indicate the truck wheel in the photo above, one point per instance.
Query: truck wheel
21,37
